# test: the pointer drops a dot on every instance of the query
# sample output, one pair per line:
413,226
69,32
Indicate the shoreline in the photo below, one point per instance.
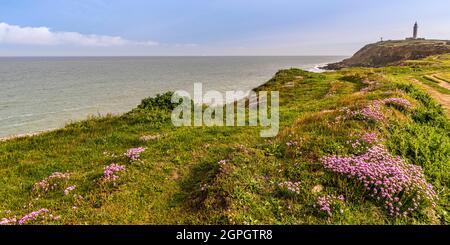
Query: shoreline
24,135
315,69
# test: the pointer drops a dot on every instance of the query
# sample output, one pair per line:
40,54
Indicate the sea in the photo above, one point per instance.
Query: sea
44,93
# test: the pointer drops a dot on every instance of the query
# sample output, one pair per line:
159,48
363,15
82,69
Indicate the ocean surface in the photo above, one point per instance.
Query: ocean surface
39,94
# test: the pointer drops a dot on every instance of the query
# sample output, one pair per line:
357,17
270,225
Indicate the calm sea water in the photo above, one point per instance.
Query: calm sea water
44,93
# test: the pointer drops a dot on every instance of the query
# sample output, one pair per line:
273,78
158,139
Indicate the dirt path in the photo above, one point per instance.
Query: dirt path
442,83
443,99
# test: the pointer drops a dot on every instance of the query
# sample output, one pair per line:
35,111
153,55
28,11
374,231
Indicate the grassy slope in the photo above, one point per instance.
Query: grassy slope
178,180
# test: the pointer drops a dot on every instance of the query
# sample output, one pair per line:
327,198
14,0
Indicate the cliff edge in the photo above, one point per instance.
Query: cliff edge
392,52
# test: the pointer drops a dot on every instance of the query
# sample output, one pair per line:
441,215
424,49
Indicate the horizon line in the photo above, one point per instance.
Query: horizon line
162,56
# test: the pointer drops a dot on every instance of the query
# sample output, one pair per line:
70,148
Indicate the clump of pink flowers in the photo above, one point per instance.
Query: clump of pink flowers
69,189
109,173
134,153
372,112
370,138
49,182
400,102
328,204
32,216
223,166
8,221
399,186
42,215
363,141
289,186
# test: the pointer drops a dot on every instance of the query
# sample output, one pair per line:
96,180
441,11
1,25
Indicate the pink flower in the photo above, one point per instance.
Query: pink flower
109,173
69,189
370,138
327,204
290,186
373,112
45,184
32,216
400,102
135,153
8,221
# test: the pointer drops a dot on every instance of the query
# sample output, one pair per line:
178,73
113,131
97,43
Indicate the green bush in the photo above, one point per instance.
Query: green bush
161,101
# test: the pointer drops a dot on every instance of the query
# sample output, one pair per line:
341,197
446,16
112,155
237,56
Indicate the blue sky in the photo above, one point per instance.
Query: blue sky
211,27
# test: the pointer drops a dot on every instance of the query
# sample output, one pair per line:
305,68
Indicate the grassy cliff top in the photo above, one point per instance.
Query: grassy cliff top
393,52
389,118
399,43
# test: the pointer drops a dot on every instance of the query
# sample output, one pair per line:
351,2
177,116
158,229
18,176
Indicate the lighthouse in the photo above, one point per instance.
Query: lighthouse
415,35
415,30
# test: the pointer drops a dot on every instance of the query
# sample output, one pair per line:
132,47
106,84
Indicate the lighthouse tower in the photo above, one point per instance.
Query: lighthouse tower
415,31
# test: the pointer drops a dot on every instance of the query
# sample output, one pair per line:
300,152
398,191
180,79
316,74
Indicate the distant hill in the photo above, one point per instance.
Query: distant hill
391,52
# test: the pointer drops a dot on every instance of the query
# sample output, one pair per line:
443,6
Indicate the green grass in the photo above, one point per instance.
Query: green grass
178,181
433,82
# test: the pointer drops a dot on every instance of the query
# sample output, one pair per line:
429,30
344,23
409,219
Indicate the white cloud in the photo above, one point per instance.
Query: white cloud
12,34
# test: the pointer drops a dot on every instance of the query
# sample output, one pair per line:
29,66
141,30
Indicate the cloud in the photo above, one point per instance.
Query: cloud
12,34
186,45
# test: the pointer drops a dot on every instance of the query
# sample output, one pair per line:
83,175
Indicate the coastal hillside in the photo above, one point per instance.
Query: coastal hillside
356,146
392,52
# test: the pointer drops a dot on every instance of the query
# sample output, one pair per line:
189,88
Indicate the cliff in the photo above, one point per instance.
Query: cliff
392,52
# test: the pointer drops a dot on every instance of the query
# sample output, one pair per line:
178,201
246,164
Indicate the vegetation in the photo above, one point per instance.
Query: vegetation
138,169
393,52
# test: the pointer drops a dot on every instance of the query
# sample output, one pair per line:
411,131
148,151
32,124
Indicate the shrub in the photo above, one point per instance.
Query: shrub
161,101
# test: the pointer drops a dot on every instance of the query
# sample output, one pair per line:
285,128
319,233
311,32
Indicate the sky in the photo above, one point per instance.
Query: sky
211,27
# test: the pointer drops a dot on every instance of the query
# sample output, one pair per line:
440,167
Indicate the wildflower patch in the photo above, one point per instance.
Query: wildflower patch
51,182
330,204
400,187
135,153
289,187
110,172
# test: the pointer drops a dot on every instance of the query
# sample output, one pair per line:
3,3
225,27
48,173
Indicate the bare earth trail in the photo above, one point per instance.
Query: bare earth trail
443,99
442,83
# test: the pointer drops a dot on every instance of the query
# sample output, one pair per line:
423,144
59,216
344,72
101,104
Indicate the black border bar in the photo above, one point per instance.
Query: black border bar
225,234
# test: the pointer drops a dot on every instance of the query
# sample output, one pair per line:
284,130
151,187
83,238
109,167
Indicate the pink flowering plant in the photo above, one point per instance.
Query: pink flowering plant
398,103
8,221
361,142
293,148
289,188
370,138
401,188
330,204
372,112
33,216
40,216
52,182
135,153
110,172
69,189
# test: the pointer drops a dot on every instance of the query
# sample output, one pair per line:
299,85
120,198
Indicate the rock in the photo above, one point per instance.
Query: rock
317,189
